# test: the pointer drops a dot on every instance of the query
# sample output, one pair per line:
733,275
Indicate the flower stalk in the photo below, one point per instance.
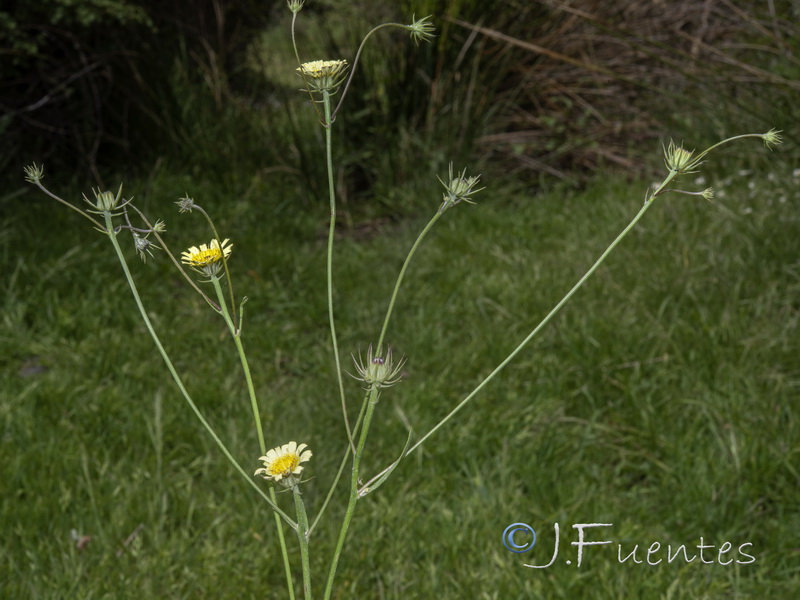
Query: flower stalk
326,100
176,377
372,400
237,339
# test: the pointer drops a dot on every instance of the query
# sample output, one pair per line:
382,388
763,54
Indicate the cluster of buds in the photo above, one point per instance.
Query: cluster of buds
143,245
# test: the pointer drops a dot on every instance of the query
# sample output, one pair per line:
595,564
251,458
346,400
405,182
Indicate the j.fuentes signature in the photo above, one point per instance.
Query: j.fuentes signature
521,537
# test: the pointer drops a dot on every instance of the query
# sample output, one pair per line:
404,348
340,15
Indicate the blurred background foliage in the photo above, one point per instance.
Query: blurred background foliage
545,89
676,370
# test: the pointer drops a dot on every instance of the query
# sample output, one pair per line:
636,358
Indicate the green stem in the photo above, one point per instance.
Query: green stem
400,279
299,64
112,236
351,504
550,315
68,205
699,158
342,464
174,260
287,567
236,335
243,359
355,62
224,260
302,536
326,99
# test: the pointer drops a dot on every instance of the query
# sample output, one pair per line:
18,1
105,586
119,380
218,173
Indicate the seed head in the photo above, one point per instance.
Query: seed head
185,204
421,30
378,371
143,246
459,188
678,159
295,5
772,138
34,174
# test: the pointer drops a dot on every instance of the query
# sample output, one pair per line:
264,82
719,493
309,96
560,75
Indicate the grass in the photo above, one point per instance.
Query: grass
661,400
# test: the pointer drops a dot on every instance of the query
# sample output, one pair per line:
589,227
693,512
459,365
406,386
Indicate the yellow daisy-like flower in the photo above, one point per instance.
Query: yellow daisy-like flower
323,75
283,463
207,259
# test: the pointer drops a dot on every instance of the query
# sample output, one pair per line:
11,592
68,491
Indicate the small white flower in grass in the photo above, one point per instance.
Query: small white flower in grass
207,259
284,463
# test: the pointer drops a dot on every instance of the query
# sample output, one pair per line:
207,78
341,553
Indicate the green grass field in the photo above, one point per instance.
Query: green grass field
662,400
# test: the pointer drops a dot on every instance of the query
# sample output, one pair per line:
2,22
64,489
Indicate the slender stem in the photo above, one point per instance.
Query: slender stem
351,504
326,99
287,567
550,315
698,159
236,335
302,536
224,264
112,236
347,454
355,62
245,365
342,464
175,260
68,205
299,64
400,279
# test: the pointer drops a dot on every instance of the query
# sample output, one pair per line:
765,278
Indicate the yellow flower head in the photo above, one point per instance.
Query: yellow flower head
283,463
323,75
207,259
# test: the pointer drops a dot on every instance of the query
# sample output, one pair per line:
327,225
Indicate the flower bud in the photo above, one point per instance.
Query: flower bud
421,29
106,201
295,5
677,159
378,371
459,188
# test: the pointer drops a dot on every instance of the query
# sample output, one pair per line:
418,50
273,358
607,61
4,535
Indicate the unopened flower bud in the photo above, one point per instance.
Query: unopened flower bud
378,371
106,201
295,5
458,188
421,29
34,174
772,138
185,204
676,158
